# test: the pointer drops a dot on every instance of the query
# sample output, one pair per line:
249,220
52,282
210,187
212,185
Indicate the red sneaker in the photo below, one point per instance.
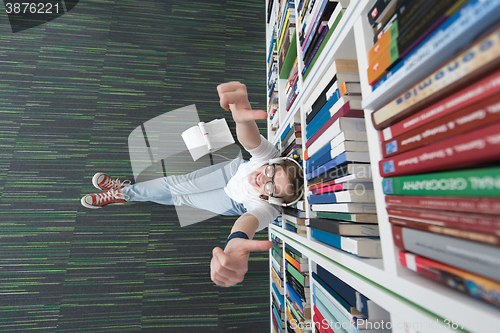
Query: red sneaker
98,200
104,182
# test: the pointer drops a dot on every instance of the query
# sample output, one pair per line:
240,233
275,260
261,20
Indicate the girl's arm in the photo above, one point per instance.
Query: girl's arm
229,266
234,97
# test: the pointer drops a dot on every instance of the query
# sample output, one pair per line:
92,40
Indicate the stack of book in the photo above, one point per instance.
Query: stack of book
400,26
298,294
317,21
291,141
295,220
441,150
340,188
340,308
278,299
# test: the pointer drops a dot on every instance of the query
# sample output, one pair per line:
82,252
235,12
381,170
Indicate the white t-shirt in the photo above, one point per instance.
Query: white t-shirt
240,190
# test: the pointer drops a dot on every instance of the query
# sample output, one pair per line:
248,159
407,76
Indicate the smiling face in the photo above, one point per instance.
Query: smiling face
282,185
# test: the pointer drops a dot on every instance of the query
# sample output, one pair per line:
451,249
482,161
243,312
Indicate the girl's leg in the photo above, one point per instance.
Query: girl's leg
178,189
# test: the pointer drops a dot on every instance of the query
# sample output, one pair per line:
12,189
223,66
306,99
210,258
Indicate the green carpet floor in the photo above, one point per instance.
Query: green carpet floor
71,91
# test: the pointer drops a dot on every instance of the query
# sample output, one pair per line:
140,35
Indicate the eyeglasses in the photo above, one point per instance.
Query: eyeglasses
269,186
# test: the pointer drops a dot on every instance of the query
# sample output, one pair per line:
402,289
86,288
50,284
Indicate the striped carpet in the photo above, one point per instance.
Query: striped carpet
71,91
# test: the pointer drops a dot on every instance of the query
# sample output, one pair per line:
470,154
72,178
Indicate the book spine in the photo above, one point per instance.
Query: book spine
478,91
471,256
312,118
478,222
467,204
475,61
344,111
475,116
471,284
482,145
463,183
470,235
311,56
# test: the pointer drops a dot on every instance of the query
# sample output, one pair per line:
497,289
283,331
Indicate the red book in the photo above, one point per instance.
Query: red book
465,120
323,325
479,222
344,111
457,204
476,92
485,237
320,185
466,282
479,146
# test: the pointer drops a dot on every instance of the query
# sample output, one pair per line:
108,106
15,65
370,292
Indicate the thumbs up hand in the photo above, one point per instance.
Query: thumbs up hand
233,96
229,266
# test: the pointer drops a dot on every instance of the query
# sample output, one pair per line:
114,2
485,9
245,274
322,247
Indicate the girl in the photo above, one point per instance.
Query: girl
253,189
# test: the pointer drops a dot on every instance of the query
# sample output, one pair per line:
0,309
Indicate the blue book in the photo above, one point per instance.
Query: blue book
351,156
322,198
361,246
341,288
348,324
340,160
455,33
278,318
295,299
332,292
281,298
308,61
314,26
323,115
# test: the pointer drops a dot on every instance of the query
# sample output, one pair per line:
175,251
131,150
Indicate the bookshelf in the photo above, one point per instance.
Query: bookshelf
415,303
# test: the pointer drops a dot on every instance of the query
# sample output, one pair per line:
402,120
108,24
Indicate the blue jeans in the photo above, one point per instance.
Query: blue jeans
202,189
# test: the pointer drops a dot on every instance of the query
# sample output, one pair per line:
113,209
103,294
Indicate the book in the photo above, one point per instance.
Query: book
485,237
360,218
348,293
484,88
332,97
479,221
419,19
348,107
352,208
480,58
454,204
342,228
321,323
478,146
475,116
324,116
353,171
338,161
480,182
474,257
325,154
332,24
338,66
471,284
343,196
345,136
361,247
342,124
340,300
362,186
207,138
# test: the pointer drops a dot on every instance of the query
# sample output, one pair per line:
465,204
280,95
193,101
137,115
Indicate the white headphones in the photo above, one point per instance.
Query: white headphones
279,201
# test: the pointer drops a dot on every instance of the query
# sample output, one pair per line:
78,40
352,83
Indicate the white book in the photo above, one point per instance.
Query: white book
336,12
367,208
207,138
343,124
355,196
